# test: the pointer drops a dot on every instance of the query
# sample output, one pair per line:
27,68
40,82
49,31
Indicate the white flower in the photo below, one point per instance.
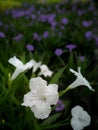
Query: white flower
20,67
80,118
45,71
80,80
41,97
36,65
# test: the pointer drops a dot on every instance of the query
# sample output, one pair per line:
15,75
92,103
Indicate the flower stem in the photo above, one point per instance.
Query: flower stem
36,125
63,91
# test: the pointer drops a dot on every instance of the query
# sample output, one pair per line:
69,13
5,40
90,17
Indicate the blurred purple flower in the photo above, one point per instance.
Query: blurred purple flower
96,40
18,13
2,35
80,12
61,27
36,37
86,23
1,23
30,47
60,34
53,23
59,106
88,35
33,16
70,47
18,37
82,58
58,51
51,18
45,34
64,21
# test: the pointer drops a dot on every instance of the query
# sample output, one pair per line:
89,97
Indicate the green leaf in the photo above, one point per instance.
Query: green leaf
56,77
3,69
51,119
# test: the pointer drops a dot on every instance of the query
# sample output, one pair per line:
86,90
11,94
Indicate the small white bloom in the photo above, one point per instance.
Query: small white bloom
36,65
80,118
41,97
45,71
80,80
20,67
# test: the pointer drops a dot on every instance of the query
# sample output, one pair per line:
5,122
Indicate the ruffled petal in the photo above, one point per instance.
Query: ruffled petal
41,110
37,84
51,94
29,99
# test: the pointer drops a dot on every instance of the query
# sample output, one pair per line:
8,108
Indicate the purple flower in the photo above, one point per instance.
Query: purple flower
80,12
30,47
59,106
70,47
60,34
53,23
36,37
86,23
18,37
51,18
88,35
96,40
58,52
64,21
33,16
45,34
2,35
82,58
18,13
1,23
62,27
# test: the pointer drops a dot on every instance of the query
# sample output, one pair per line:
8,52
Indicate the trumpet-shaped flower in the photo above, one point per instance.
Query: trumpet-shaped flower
20,67
80,80
41,97
35,64
45,71
80,118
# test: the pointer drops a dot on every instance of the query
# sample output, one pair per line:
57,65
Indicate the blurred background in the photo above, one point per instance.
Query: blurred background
28,28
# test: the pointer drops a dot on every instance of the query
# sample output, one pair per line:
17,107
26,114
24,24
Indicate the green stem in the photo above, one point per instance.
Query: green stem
36,125
63,91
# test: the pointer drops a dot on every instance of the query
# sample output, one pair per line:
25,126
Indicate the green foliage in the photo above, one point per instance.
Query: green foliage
25,19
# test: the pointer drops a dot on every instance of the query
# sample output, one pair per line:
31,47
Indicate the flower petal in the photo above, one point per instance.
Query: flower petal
15,62
76,125
80,118
37,84
36,65
29,99
45,71
16,73
80,80
52,94
41,110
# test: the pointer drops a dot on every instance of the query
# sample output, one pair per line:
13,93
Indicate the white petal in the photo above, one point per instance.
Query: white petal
80,118
45,71
84,118
76,125
28,65
76,110
52,94
37,84
80,80
29,99
41,110
15,62
16,73
36,65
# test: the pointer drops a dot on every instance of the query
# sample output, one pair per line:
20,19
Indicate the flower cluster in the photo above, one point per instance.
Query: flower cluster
42,96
